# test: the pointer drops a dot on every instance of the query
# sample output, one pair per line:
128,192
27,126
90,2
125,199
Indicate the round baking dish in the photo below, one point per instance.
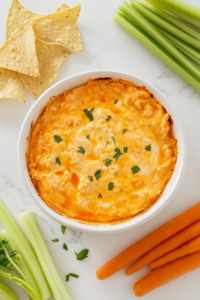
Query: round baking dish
72,82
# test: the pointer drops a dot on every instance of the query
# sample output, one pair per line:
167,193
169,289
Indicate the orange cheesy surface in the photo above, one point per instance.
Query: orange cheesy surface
103,152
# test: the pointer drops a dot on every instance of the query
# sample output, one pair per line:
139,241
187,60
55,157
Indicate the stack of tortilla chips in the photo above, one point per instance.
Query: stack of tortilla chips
35,48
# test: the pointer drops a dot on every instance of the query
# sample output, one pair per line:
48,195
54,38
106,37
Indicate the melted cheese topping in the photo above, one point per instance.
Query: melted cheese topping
60,170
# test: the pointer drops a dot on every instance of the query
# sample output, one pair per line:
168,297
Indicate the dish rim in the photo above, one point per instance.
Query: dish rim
136,221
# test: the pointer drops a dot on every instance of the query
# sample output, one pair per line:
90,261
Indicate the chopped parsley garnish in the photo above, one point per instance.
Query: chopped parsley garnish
107,142
90,178
55,240
100,196
111,186
72,275
81,150
116,100
88,137
148,147
65,247
58,161
113,139
89,114
57,138
124,130
67,277
125,149
108,162
108,118
135,169
63,228
82,255
98,174
118,154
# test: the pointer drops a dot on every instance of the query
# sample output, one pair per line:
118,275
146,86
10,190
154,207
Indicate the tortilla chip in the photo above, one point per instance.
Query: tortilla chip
18,18
60,28
19,53
50,57
11,86
62,7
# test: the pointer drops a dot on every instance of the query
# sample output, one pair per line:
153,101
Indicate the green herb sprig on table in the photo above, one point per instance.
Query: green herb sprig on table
11,263
82,255
55,240
63,228
72,275
65,247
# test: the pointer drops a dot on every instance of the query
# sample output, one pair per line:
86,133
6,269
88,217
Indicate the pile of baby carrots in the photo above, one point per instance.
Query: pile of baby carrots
171,251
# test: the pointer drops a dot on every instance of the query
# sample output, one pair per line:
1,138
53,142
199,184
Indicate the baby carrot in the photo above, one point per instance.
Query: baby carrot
166,273
175,241
149,242
188,248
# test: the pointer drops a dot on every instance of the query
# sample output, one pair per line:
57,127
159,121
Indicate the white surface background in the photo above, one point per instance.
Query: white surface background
108,46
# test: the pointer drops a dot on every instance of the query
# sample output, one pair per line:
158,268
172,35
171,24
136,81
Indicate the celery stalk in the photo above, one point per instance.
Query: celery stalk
181,9
21,244
185,48
6,293
164,24
20,282
156,49
23,265
171,19
32,229
186,52
145,25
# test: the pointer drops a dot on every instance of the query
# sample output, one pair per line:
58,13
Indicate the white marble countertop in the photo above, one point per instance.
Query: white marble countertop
105,45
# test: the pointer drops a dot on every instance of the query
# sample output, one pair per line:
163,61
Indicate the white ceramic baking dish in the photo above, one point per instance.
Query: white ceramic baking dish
72,82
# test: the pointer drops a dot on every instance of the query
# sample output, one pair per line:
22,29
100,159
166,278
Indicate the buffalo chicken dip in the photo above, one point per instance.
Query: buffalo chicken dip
103,152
